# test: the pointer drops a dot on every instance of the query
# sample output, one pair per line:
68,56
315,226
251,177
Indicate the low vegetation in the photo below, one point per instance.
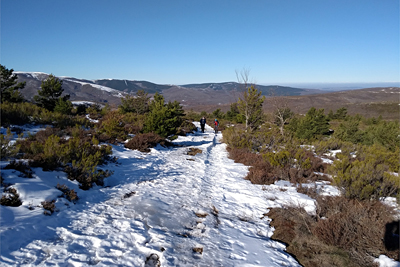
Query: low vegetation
348,230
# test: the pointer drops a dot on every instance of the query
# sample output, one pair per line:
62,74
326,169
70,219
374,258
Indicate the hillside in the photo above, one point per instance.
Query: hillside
369,102
111,90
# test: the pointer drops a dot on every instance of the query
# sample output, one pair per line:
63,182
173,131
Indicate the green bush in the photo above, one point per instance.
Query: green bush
364,179
80,155
112,125
313,125
333,143
163,119
23,113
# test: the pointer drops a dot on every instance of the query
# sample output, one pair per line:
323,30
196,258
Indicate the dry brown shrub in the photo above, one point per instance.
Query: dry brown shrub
143,142
10,198
67,193
260,172
22,167
356,226
133,128
344,232
309,191
194,151
49,207
294,228
42,136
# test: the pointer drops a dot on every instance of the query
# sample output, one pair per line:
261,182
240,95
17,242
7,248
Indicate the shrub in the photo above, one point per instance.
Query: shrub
23,113
260,172
49,207
79,155
365,179
333,143
8,148
22,167
343,232
67,193
163,119
10,198
112,125
186,127
358,227
143,142
313,125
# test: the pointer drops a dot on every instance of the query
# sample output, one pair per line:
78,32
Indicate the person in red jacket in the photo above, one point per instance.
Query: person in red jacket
216,124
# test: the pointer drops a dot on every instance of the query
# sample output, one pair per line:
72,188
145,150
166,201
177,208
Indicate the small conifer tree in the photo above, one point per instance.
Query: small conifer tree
9,86
51,91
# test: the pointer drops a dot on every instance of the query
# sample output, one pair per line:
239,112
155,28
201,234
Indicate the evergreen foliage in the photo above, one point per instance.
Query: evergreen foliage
138,104
313,125
349,131
250,106
364,179
9,86
163,119
50,93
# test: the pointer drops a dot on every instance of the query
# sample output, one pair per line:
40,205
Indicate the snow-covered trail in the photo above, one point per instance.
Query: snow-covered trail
166,207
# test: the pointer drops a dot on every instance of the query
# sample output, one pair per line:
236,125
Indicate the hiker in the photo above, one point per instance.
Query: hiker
216,124
202,123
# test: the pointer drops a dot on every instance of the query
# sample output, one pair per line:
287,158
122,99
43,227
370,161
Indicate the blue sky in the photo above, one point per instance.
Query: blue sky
193,41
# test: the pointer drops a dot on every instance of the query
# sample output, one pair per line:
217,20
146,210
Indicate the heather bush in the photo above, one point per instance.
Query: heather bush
20,166
49,206
10,198
265,139
68,193
358,227
295,164
343,232
260,172
143,142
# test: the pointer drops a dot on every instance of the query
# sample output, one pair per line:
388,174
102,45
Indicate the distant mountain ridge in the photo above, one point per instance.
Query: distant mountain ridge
112,90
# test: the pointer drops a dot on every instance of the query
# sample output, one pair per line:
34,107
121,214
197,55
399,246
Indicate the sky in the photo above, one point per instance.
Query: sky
181,42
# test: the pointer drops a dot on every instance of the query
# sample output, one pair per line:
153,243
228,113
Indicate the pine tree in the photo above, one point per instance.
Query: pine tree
314,124
9,86
163,119
250,106
50,93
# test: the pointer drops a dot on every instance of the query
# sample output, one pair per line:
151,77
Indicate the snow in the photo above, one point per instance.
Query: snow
103,88
164,205
36,75
385,261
